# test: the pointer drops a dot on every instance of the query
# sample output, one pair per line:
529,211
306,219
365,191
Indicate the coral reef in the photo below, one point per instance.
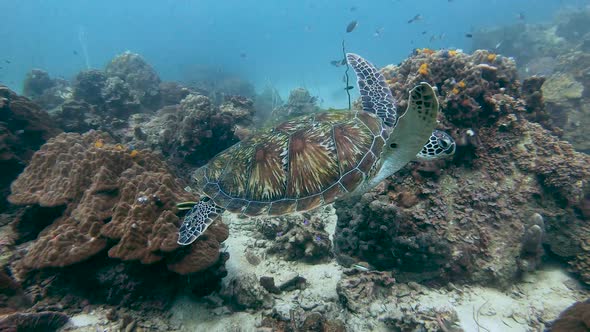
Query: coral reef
559,51
76,116
295,237
111,97
300,102
245,292
138,75
24,127
45,91
357,289
477,88
189,133
463,219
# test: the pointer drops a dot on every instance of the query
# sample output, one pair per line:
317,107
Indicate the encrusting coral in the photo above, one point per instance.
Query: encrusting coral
115,198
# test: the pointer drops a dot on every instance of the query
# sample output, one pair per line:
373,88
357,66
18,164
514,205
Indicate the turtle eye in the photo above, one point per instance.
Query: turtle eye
393,145
443,144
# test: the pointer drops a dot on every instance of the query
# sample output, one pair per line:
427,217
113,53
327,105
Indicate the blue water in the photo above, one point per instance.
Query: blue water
283,43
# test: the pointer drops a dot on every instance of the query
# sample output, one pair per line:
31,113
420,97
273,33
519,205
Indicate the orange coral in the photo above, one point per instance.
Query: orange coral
428,51
491,57
423,70
452,52
461,84
455,91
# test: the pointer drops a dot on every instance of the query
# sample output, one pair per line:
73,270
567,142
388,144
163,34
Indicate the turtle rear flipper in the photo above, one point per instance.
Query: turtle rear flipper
196,221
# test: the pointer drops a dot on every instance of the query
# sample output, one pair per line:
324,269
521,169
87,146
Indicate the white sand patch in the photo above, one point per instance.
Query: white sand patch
84,320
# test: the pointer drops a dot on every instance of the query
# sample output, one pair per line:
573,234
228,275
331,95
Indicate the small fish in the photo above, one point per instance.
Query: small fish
351,26
362,267
521,16
243,55
424,32
353,9
378,32
75,52
416,18
338,63
498,45
469,35
7,61
350,87
20,132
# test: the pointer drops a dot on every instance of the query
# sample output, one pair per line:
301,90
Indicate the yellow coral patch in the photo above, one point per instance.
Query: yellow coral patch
423,70
461,84
452,52
99,143
455,91
492,57
134,153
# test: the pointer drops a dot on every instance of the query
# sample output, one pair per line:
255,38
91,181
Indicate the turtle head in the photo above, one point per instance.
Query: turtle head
439,145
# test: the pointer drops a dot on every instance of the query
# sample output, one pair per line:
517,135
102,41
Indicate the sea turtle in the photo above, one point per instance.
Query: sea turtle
313,160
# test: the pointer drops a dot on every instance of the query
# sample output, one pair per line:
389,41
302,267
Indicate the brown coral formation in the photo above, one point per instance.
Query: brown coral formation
465,220
576,318
40,321
111,196
24,127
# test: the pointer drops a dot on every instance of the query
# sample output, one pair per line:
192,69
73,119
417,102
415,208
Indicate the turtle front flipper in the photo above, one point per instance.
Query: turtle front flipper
375,94
196,221
413,130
